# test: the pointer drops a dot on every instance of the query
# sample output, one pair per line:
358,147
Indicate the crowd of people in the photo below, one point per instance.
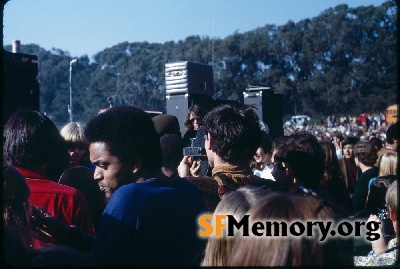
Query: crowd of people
119,191
372,125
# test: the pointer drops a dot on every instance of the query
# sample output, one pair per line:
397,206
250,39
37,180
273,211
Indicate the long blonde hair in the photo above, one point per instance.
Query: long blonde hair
290,250
388,164
236,203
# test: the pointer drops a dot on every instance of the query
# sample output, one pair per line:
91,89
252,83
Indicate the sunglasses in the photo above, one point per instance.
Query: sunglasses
194,118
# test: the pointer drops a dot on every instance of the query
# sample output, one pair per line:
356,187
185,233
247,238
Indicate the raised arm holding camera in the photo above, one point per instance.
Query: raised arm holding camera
384,253
232,135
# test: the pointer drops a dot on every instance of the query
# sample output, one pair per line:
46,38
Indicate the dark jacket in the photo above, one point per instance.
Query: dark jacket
361,189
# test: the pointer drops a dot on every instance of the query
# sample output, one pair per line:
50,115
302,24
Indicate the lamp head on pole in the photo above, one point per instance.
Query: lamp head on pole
73,61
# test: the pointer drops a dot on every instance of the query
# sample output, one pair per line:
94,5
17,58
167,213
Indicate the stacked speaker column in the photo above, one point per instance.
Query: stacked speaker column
187,83
21,88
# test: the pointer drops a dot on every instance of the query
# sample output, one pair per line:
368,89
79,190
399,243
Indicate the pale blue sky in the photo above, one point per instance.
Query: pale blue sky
89,26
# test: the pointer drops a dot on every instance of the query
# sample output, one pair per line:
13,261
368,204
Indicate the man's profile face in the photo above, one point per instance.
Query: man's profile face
279,172
110,172
209,152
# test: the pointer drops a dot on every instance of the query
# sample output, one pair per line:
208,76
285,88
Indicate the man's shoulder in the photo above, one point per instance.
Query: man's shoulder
372,172
342,161
153,186
209,188
384,150
47,186
204,183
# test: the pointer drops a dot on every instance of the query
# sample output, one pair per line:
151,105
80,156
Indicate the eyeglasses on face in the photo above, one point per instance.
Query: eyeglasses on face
194,118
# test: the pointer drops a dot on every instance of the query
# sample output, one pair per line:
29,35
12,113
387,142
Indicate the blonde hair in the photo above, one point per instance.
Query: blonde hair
236,203
391,198
73,132
291,250
388,164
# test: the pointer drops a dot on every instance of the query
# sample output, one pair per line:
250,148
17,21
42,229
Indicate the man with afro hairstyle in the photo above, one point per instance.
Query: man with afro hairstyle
149,219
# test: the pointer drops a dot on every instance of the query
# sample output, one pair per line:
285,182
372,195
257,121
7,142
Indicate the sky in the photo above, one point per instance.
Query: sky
90,26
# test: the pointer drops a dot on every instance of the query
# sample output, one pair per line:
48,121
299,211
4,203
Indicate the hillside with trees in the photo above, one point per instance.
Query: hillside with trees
342,61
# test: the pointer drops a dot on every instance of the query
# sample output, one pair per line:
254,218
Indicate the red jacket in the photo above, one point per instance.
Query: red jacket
66,203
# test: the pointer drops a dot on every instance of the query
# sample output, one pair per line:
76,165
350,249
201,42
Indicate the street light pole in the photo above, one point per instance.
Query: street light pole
70,89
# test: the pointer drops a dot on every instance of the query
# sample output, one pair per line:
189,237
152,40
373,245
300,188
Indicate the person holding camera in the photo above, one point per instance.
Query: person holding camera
382,253
193,121
232,135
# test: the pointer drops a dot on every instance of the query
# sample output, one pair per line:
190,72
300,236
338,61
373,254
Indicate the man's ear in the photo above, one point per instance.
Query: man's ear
136,164
392,215
209,143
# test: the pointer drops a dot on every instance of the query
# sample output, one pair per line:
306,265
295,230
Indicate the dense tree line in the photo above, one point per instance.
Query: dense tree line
342,61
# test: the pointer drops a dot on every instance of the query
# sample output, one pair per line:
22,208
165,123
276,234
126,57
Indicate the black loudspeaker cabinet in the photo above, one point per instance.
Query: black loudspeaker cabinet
268,107
178,105
20,88
273,114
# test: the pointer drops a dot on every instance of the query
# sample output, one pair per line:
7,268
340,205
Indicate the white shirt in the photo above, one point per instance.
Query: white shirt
266,172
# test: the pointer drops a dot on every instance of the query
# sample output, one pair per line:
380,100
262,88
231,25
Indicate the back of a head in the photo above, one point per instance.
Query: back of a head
365,153
278,143
172,150
392,198
290,250
128,132
79,177
15,204
235,131
305,156
392,133
332,168
376,143
15,188
31,139
377,193
166,124
339,135
330,153
236,203
388,164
